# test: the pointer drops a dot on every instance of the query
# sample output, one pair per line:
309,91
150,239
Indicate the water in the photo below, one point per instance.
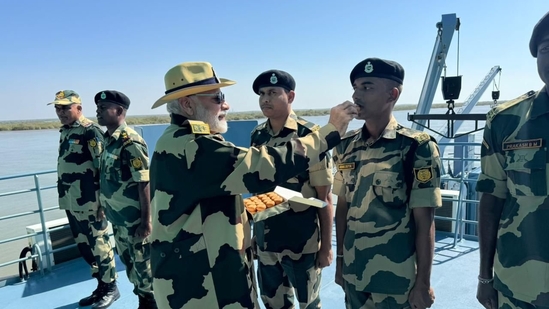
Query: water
32,151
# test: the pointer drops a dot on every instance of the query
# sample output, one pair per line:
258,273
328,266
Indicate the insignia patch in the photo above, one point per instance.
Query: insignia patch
525,144
346,166
74,141
103,95
369,68
136,163
273,79
199,127
423,174
92,143
60,95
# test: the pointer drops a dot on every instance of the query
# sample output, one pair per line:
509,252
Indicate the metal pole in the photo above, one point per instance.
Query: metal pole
42,220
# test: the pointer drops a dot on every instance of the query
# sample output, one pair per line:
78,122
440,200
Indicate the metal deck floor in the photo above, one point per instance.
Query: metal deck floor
453,279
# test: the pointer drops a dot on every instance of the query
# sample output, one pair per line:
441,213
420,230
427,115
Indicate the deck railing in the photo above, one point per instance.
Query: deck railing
36,253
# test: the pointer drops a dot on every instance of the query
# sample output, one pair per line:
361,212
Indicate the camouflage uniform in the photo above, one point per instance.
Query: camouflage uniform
288,243
200,250
124,163
80,147
379,254
514,168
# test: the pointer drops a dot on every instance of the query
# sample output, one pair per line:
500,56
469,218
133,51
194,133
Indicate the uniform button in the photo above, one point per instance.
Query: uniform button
162,254
176,250
378,182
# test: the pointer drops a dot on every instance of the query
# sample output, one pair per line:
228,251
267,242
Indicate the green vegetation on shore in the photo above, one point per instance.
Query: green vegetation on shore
156,119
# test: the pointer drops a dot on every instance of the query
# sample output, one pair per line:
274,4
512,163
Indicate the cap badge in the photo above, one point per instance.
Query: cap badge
274,80
60,95
369,68
103,95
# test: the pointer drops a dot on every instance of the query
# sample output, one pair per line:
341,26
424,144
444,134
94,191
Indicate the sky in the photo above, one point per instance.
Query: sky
90,46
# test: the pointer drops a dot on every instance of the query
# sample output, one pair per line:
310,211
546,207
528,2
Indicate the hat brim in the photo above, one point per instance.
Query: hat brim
63,102
191,90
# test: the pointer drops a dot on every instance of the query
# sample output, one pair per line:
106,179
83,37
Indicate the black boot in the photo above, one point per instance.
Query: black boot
147,302
107,295
90,300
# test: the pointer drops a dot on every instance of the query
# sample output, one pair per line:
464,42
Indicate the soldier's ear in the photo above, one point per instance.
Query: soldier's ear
186,105
291,96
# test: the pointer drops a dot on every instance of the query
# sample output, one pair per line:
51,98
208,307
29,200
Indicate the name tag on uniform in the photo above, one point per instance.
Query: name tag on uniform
110,155
74,141
526,144
346,166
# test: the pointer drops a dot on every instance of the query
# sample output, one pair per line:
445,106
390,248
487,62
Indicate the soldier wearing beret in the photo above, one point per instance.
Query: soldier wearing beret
513,216
125,192
201,253
294,246
388,186
80,147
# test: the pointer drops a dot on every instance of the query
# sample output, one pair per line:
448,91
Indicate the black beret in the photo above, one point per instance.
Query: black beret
274,78
114,97
540,29
375,67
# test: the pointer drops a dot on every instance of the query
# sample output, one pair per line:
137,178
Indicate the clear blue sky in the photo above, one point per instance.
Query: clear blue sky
89,46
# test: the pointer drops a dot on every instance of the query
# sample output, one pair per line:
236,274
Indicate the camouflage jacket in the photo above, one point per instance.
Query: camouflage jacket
124,163
296,230
514,168
80,146
200,229
379,244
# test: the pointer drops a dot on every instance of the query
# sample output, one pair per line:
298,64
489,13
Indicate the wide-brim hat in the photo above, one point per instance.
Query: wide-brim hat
190,78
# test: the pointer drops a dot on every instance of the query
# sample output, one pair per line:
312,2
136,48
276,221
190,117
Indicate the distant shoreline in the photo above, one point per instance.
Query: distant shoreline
22,125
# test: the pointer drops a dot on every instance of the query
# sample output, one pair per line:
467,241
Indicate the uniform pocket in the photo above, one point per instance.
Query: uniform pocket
388,189
179,259
526,172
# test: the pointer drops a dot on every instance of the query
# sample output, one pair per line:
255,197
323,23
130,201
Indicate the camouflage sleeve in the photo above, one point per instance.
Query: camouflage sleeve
321,174
425,190
339,187
95,138
492,178
225,169
135,155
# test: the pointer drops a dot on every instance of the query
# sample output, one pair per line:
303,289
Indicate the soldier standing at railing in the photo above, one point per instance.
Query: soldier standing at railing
80,147
125,195
514,207
294,246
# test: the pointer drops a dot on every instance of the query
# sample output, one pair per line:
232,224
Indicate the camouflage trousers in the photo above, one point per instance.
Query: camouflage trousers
92,239
363,300
135,253
186,279
279,276
505,302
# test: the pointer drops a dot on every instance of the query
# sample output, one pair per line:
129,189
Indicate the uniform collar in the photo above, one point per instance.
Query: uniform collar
78,123
540,105
389,132
291,123
116,134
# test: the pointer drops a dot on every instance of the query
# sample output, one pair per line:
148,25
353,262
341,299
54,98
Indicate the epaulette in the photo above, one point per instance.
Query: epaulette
503,106
199,127
419,136
259,127
307,124
125,138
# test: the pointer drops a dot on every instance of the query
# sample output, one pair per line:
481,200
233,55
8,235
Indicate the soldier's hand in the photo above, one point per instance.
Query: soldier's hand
143,230
487,296
339,272
421,296
100,214
324,257
341,115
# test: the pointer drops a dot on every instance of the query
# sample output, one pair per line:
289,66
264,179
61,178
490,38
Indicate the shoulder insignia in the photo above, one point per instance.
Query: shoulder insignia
199,127
92,142
307,124
419,136
503,106
423,174
136,163
86,124
422,137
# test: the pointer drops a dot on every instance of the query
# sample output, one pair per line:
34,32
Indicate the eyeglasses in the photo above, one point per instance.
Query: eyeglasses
218,97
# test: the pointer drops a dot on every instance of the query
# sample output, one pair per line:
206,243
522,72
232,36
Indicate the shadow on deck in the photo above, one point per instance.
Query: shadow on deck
453,278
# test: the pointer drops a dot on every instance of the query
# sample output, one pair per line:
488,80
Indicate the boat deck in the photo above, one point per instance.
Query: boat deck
453,279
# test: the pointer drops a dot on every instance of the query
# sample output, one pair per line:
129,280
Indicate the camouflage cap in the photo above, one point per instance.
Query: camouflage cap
540,29
66,97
